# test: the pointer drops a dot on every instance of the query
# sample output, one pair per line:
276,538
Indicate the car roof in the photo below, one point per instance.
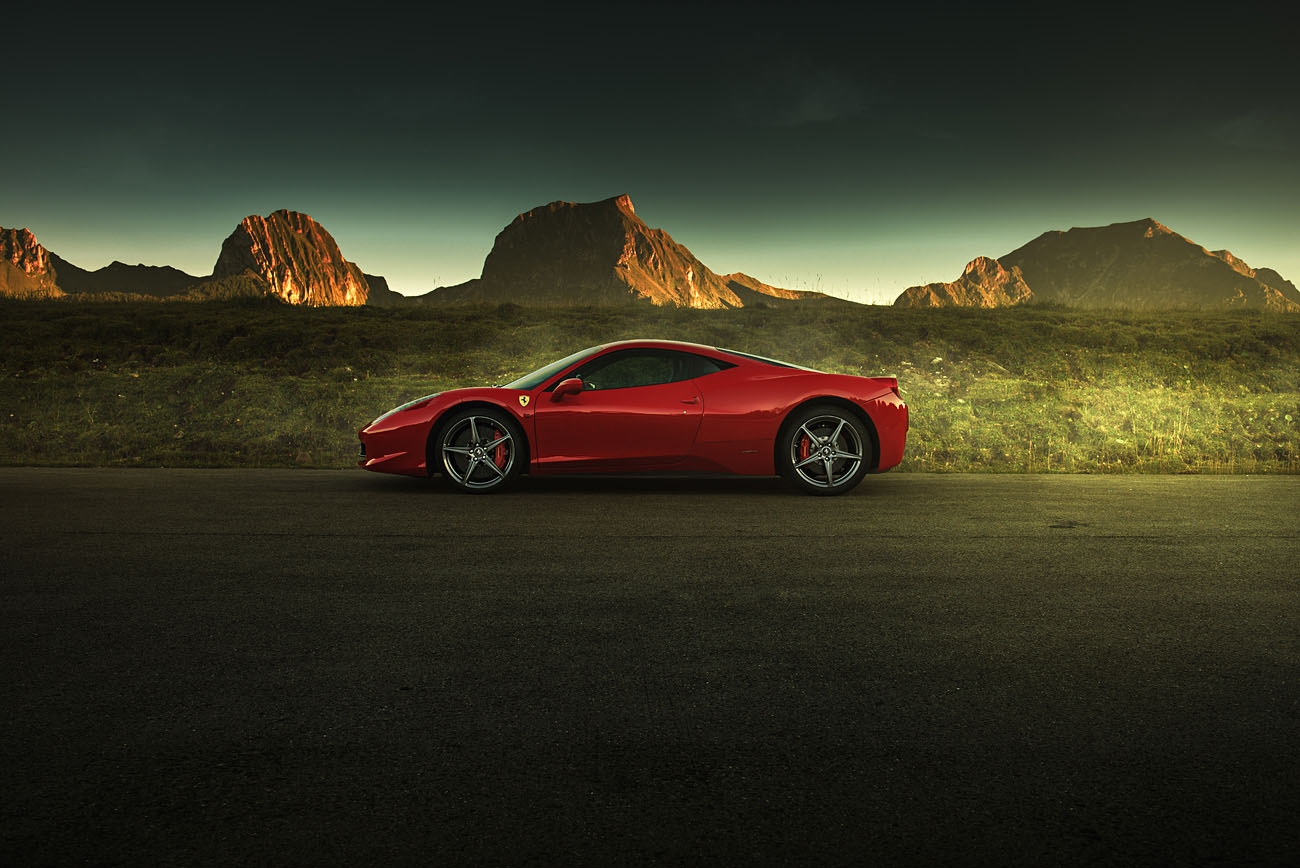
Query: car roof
658,344
731,356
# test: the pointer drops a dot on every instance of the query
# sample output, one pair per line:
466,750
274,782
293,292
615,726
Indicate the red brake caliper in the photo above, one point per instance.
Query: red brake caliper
805,447
499,454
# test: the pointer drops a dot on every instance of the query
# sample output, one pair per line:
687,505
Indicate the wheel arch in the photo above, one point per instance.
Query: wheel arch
431,460
834,401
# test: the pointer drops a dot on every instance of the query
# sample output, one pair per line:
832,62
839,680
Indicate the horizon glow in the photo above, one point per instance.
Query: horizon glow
873,269
807,158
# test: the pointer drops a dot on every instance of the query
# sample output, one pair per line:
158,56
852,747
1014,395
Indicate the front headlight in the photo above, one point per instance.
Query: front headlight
409,405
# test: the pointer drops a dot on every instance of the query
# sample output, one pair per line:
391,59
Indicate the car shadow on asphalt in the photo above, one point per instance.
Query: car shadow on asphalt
612,484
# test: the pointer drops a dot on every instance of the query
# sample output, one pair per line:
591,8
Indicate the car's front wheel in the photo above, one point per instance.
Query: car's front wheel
824,450
480,450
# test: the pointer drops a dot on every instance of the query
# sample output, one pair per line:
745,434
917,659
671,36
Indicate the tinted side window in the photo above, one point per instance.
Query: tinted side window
763,359
627,369
688,366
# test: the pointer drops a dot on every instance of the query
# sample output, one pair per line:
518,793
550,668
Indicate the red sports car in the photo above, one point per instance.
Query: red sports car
638,406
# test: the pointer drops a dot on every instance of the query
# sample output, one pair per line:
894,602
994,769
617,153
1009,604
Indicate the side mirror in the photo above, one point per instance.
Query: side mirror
571,386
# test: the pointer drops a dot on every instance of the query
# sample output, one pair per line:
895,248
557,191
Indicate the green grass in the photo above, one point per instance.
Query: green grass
254,383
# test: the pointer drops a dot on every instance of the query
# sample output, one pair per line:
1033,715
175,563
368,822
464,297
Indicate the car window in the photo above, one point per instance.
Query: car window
625,369
688,366
764,359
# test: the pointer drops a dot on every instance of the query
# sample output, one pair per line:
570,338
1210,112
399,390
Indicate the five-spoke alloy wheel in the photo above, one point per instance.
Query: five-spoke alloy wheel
824,450
480,450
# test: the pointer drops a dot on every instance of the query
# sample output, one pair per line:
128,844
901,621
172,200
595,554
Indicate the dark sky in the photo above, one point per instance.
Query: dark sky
854,154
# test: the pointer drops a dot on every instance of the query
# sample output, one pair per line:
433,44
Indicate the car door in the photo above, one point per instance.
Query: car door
630,415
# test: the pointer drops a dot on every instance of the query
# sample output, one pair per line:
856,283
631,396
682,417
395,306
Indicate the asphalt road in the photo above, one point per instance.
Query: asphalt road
296,667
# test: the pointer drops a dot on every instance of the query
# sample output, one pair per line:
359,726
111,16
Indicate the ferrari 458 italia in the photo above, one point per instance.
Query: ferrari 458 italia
636,406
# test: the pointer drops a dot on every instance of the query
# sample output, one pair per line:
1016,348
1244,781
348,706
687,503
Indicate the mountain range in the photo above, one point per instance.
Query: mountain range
1140,264
602,253
286,254
559,254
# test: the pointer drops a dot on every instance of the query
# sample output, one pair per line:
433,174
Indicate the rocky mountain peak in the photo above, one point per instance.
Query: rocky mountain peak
1151,228
983,265
1238,265
602,253
985,282
1269,277
295,256
26,268
20,247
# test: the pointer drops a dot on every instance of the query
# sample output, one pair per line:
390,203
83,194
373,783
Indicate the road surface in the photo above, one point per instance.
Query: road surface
271,667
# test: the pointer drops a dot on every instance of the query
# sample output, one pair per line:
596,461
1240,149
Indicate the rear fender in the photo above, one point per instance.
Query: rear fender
842,403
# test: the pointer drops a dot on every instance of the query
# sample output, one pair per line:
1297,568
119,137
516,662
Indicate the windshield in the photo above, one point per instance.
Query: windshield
541,375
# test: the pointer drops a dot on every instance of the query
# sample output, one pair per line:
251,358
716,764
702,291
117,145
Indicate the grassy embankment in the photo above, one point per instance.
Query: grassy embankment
1024,389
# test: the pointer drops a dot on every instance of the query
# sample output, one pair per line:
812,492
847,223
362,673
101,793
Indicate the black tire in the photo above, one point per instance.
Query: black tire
484,464
824,450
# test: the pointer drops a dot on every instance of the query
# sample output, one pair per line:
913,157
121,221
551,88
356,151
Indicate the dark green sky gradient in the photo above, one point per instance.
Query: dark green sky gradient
855,155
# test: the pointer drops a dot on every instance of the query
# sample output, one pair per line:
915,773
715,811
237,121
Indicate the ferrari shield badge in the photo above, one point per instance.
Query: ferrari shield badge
523,400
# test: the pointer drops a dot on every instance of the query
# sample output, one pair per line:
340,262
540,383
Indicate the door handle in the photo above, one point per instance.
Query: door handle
690,400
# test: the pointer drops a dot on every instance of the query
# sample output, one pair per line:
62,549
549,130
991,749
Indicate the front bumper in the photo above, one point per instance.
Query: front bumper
390,452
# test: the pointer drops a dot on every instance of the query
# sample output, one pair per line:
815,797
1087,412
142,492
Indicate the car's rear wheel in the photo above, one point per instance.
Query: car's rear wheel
824,450
480,450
